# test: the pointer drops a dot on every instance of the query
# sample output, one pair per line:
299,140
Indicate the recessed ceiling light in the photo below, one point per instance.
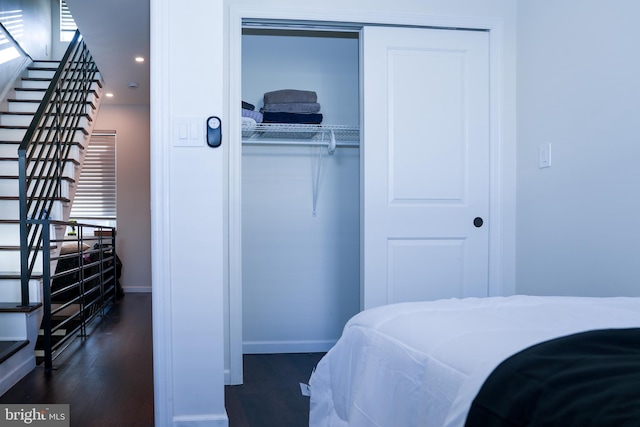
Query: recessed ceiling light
133,85
109,95
139,59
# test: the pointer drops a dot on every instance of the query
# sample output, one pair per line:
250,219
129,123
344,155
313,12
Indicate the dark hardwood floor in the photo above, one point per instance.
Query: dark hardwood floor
270,395
107,378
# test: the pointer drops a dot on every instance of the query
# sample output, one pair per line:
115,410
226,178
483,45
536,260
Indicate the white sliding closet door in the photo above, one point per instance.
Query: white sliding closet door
425,164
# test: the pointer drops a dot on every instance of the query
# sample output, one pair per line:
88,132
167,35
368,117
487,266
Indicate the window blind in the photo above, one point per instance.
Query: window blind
96,189
12,22
67,23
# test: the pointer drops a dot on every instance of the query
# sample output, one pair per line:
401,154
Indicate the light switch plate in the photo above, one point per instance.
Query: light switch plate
544,156
188,131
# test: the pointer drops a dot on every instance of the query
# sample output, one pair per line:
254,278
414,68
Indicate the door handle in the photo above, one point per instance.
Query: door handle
477,221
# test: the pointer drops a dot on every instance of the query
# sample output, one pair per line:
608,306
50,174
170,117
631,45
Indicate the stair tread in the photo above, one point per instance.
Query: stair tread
40,89
16,222
15,307
9,348
97,81
79,144
16,275
30,89
64,178
26,113
15,159
27,127
87,103
6,248
61,199
80,128
35,101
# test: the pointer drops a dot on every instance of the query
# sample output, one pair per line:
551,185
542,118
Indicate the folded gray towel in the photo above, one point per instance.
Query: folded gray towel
290,95
292,107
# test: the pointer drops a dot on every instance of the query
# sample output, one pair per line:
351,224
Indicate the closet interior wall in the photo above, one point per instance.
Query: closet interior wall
301,269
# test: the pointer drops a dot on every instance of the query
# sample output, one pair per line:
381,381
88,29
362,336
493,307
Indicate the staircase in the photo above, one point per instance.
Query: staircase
19,324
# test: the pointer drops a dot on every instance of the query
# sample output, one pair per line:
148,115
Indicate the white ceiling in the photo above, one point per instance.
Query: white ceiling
116,31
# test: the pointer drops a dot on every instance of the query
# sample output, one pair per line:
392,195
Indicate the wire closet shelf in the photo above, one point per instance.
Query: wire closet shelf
301,134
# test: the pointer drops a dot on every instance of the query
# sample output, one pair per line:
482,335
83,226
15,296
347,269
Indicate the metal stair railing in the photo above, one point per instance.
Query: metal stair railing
83,285
45,151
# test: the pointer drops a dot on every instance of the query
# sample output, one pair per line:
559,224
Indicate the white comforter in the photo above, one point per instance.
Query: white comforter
421,364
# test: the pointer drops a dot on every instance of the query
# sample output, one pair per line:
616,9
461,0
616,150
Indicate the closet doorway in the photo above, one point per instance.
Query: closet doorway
300,195
317,248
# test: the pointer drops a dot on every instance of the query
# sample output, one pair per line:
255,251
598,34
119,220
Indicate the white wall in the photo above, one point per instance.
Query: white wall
187,213
131,123
300,280
578,89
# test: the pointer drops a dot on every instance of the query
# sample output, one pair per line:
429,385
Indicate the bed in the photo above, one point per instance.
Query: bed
424,363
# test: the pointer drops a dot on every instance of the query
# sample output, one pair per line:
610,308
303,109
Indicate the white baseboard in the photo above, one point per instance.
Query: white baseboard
136,289
268,347
205,420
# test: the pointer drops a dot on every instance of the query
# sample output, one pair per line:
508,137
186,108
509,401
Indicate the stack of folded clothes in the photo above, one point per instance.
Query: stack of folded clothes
291,106
249,116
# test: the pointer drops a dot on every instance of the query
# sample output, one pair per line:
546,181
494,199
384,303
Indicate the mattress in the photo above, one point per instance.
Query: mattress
422,364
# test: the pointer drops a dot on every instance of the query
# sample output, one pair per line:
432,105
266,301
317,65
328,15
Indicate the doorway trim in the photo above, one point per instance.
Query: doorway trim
502,197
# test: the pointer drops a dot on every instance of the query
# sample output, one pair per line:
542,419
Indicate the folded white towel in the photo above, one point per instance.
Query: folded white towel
255,115
248,121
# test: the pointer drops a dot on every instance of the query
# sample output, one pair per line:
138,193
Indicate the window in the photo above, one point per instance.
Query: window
95,199
67,24
12,27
